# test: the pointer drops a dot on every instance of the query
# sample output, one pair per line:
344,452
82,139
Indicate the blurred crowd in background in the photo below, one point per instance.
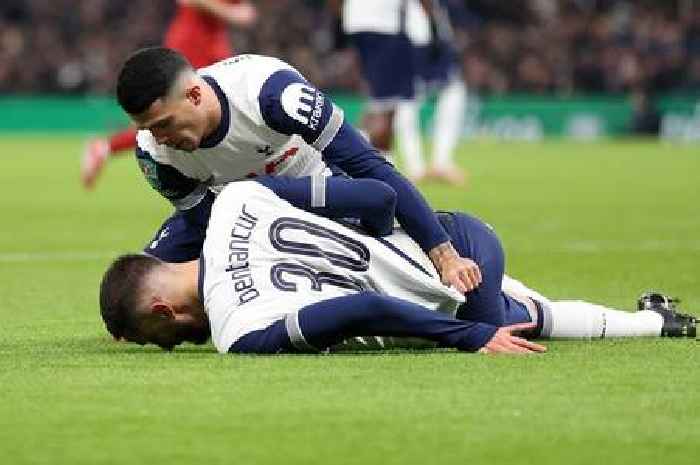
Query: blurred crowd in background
534,46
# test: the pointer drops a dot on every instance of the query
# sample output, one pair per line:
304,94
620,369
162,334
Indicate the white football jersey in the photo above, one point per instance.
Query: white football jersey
417,23
264,259
381,16
266,104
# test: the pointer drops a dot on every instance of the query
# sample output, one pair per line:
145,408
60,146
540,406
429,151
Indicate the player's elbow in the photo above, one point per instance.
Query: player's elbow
383,197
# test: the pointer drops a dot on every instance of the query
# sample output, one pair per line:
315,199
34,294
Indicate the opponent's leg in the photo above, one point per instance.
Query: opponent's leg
407,130
97,152
449,118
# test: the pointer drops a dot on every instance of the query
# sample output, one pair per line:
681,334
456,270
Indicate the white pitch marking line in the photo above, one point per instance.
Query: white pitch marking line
25,257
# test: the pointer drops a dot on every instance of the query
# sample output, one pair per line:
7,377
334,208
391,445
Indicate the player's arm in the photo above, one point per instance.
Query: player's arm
182,191
180,238
182,235
372,202
324,324
239,14
290,105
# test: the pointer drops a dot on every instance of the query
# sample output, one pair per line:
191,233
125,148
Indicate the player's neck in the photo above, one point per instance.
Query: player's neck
187,279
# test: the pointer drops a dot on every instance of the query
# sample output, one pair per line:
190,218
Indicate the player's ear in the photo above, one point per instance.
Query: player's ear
194,94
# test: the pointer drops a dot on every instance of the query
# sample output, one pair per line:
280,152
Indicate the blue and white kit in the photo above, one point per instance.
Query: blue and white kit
275,278
273,123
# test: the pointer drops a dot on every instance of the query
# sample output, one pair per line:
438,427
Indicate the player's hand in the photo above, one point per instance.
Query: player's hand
459,272
504,342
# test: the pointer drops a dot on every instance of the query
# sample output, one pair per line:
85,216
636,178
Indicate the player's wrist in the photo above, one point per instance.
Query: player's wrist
442,254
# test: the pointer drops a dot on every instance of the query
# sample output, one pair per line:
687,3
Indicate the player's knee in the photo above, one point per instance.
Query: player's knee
485,243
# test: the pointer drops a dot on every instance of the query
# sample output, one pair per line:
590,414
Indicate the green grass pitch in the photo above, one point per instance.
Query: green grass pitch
600,221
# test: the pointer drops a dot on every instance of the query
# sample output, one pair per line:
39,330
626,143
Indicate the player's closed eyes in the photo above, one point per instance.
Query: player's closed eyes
162,124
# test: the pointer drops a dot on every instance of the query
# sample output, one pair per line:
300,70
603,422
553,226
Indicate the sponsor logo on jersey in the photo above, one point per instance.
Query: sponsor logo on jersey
271,167
304,104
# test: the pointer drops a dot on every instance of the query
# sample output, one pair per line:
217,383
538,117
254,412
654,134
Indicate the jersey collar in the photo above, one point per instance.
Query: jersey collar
215,138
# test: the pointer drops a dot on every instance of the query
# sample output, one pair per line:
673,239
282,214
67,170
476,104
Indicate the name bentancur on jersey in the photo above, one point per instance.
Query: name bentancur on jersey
239,266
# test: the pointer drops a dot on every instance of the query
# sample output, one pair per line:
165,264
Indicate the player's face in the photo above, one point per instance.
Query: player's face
177,121
169,333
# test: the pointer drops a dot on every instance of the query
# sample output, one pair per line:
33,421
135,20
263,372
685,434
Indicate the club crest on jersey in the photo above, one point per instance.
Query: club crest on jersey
150,171
304,104
265,151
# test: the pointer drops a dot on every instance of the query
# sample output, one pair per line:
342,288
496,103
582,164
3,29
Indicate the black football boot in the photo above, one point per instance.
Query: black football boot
675,324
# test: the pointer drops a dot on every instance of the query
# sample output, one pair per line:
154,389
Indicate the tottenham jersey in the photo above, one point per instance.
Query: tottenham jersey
417,23
264,259
273,122
380,16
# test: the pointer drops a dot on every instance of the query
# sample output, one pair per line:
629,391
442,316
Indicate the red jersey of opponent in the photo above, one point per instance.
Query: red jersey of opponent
201,37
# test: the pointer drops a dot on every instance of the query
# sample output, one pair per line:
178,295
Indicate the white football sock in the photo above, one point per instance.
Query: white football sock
449,120
407,131
578,319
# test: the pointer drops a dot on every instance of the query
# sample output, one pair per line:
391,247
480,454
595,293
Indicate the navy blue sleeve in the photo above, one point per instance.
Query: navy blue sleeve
181,237
324,324
369,200
351,152
271,340
182,191
290,105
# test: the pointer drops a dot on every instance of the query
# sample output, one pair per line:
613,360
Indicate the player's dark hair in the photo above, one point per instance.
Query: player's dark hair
148,75
120,294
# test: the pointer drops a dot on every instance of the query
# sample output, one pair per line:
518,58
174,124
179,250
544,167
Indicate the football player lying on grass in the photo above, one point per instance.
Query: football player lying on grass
275,278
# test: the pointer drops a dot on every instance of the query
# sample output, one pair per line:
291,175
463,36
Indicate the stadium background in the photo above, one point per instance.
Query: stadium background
582,68
602,220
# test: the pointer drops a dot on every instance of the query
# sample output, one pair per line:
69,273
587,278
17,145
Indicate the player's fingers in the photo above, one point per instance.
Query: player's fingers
518,327
517,349
465,280
477,275
503,346
458,283
529,344
469,274
476,271
468,280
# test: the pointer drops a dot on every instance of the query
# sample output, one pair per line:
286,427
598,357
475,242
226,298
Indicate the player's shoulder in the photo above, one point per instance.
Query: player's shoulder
247,66
241,192
243,77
